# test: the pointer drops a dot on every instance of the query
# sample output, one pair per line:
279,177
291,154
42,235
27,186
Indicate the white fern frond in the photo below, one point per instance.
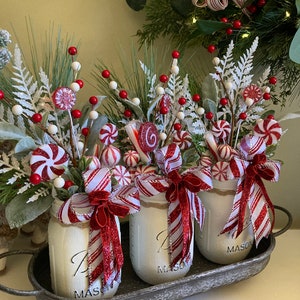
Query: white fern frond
42,192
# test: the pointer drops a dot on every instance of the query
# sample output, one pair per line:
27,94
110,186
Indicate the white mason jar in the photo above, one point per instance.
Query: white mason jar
217,247
68,245
148,236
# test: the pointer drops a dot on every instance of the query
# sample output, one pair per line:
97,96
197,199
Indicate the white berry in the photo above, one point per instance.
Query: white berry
200,111
80,146
180,115
249,101
216,61
52,129
136,101
160,90
75,87
267,89
113,85
76,66
93,115
174,70
17,110
59,182
162,136
259,121
228,85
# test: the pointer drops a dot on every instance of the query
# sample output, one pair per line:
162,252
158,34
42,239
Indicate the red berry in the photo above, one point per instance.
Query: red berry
36,118
243,116
76,113
164,110
1,95
237,24
181,100
85,131
175,54
123,94
163,78
127,113
270,117
105,73
267,96
272,80
229,31
252,9
35,178
196,98
211,48
261,3
72,50
209,115
224,20
177,126
68,183
93,100
80,82
223,101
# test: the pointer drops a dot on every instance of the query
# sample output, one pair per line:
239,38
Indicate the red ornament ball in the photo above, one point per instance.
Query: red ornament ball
36,118
93,100
196,98
105,73
224,20
175,54
164,110
243,116
68,183
211,48
35,178
127,113
237,24
271,117
80,83
272,80
76,113
261,3
1,95
123,94
181,100
209,115
85,131
223,101
72,50
163,78
252,9
267,96
177,126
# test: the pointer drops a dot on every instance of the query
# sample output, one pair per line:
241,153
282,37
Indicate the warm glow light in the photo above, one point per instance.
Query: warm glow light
194,20
245,35
287,14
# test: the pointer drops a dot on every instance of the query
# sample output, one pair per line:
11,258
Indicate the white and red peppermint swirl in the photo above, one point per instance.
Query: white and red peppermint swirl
220,170
64,98
48,161
148,137
183,139
131,158
110,156
268,129
221,129
122,175
205,161
254,92
94,162
225,152
108,134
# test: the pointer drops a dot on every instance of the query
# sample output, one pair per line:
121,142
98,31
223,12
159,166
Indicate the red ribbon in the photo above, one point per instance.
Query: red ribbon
103,219
178,191
255,172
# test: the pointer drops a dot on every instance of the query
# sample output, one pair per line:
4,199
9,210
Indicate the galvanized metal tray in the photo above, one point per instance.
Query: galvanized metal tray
203,275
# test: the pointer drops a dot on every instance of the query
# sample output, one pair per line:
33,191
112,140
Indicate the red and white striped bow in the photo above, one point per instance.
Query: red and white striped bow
181,193
100,207
214,5
251,192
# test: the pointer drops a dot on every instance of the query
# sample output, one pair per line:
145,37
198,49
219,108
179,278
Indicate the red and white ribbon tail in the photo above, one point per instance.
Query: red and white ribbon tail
197,208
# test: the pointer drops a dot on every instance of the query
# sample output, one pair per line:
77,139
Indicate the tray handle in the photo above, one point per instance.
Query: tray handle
13,291
289,222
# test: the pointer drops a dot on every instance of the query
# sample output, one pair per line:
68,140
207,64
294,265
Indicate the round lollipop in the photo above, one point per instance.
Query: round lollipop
225,152
252,91
64,98
270,130
183,139
110,156
108,134
221,129
251,145
48,161
122,175
220,170
131,158
148,137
